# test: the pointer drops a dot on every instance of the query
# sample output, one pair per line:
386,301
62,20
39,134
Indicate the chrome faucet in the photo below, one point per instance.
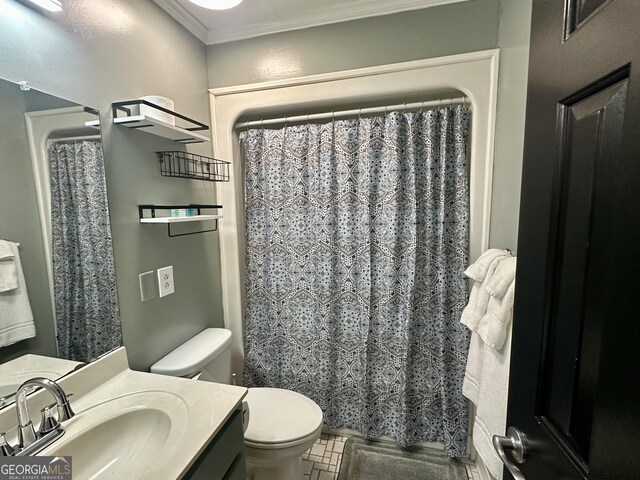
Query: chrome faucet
30,442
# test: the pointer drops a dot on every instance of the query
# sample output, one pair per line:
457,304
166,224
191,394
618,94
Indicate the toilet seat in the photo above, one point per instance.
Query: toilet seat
280,418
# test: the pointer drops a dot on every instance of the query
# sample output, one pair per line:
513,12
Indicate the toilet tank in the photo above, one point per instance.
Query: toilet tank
206,356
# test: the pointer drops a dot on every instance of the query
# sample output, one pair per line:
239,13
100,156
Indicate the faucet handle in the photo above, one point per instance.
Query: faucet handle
64,410
6,450
48,422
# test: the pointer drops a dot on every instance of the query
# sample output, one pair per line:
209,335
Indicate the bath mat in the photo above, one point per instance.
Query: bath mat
365,460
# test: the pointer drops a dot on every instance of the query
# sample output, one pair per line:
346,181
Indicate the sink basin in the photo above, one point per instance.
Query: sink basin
124,437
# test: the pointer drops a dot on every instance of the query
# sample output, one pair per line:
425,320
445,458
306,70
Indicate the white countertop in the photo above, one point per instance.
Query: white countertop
107,387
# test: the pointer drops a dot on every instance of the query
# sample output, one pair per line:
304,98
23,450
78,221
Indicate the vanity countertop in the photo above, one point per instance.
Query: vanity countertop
124,417
16,371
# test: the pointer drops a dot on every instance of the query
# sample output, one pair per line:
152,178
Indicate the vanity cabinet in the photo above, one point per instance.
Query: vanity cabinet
223,458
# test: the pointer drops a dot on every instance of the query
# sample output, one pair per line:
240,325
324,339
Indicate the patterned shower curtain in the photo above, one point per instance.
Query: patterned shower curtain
356,242
86,299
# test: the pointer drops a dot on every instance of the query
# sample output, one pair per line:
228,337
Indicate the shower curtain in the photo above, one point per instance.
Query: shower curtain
356,242
85,295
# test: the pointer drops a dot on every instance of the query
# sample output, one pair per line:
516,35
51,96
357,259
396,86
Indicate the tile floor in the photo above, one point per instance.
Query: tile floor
472,471
322,461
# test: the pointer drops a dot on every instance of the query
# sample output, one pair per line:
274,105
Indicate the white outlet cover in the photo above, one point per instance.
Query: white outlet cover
165,281
147,286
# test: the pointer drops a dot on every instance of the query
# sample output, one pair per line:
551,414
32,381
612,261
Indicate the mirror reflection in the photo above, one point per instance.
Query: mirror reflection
58,296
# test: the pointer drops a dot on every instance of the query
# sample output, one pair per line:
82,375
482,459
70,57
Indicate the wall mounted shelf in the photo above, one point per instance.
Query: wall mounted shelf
123,115
190,218
147,215
197,167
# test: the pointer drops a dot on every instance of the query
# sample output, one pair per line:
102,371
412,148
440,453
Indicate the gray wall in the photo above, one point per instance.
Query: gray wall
100,52
20,221
432,32
513,40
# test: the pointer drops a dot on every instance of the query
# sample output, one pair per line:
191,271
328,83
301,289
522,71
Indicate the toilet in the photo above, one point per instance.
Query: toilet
280,425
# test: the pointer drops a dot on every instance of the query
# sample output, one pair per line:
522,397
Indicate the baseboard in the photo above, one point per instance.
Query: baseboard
483,470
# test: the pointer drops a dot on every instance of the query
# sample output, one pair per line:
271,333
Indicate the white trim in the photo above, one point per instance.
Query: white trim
474,74
483,471
184,18
346,11
356,73
343,13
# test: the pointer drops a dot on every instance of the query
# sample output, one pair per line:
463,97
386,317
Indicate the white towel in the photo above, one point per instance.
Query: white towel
8,270
480,268
498,284
479,296
486,384
16,318
492,328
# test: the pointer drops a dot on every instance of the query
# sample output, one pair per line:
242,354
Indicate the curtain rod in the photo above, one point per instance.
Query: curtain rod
353,112
69,139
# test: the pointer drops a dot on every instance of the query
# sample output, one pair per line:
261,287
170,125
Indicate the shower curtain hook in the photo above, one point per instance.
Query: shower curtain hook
404,108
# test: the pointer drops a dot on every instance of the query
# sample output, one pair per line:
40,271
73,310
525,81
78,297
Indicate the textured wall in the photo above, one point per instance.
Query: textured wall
98,52
432,32
514,33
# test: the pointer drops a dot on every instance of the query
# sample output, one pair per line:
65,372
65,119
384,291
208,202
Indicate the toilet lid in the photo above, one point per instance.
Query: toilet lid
280,416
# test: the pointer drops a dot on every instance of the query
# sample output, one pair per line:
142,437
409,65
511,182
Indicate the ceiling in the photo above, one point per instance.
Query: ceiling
253,18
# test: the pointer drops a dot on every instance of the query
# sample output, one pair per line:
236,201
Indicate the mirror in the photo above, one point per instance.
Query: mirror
58,296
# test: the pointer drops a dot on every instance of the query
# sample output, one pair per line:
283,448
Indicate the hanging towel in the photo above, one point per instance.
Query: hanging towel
8,271
492,328
498,284
486,384
486,378
479,296
480,268
16,318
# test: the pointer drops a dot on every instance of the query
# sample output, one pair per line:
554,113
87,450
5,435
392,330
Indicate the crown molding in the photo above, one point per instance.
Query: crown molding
185,18
352,10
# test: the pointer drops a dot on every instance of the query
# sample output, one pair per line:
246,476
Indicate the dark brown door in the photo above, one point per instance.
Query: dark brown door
575,370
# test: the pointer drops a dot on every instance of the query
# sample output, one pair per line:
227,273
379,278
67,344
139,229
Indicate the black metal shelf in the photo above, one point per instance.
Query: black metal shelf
158,127
189,165
168,221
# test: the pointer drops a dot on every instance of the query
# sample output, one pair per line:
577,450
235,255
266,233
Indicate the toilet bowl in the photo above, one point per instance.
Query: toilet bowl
280,425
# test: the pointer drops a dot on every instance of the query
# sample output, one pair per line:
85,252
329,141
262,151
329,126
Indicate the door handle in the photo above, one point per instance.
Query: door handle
514,442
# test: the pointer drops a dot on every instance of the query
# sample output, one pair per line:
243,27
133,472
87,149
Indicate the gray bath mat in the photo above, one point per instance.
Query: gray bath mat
365,460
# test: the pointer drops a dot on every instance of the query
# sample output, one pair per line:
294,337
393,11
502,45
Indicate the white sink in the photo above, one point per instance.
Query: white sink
128,424
124,437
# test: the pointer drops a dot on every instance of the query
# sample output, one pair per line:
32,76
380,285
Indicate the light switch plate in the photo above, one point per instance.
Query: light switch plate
148,288
165,281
